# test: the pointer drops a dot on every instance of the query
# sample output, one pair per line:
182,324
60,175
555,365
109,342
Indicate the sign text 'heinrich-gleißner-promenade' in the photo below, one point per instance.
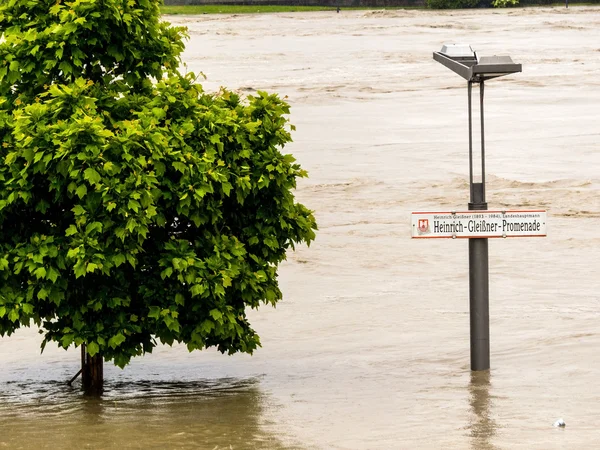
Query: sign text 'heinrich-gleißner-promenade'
479,224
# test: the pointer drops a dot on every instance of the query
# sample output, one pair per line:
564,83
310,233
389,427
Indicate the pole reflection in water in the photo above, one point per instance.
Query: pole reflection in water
215,414
482,426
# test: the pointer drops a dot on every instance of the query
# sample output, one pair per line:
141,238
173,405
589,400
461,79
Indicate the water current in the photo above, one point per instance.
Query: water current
370,347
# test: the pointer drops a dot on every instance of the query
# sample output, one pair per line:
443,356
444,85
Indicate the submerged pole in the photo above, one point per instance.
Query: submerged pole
479,298
479,304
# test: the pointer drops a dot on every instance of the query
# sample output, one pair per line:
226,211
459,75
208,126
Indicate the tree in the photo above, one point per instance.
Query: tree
504,3
451,4
135,208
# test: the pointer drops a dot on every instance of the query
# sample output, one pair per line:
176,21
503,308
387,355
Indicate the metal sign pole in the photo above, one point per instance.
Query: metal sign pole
469,89
479,296
461,59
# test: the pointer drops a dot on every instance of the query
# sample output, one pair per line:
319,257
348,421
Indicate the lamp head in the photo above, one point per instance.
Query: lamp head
461,59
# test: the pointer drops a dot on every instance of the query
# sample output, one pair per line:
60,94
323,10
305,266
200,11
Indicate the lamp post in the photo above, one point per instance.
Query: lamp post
461,59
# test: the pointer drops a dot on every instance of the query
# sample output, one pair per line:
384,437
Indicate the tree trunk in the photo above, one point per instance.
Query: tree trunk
92,375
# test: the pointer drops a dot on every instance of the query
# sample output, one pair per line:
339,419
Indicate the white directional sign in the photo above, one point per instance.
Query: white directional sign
479,224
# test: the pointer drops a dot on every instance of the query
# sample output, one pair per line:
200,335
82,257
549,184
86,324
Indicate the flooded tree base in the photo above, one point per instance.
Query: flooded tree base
92,373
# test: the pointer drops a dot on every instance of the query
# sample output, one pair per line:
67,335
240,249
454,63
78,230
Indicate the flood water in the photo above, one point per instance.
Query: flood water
370,347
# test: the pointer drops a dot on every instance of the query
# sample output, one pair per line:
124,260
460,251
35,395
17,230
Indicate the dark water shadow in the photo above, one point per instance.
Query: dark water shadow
206,414
482,427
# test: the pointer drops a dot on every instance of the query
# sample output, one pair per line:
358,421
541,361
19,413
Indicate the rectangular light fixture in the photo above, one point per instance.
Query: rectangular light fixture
461,59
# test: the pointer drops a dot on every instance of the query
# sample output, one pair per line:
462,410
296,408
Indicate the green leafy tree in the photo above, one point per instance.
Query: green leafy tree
504,3
135,208
451,4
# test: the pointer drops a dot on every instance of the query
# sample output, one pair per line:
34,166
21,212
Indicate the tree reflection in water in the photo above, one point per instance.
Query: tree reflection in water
482,427
215,414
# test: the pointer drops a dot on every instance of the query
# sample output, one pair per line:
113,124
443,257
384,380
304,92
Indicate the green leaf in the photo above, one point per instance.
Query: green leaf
71,230
217,315
118,259
67,340
154,312
116,340
207,326
91,175
179,299
159,113
131,259
52,274
13,315
131,224
92,348
197,289
79,269
226,188
81,191
66,67
134,205
93,227
173,325
181,167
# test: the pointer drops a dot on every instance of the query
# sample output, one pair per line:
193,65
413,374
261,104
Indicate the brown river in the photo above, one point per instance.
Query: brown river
370,347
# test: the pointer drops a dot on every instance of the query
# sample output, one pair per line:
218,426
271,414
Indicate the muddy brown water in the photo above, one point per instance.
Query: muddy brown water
370,347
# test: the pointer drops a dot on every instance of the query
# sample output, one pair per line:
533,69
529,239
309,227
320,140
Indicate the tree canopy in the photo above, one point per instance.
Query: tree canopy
135,208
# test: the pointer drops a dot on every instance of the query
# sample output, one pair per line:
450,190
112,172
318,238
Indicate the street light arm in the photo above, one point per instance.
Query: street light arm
458,67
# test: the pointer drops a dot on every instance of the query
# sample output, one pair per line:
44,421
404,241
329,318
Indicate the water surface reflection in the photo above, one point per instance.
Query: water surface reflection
214,414
482,426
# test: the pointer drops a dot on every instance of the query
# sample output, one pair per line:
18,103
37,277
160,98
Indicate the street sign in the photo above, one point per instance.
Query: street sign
479,224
